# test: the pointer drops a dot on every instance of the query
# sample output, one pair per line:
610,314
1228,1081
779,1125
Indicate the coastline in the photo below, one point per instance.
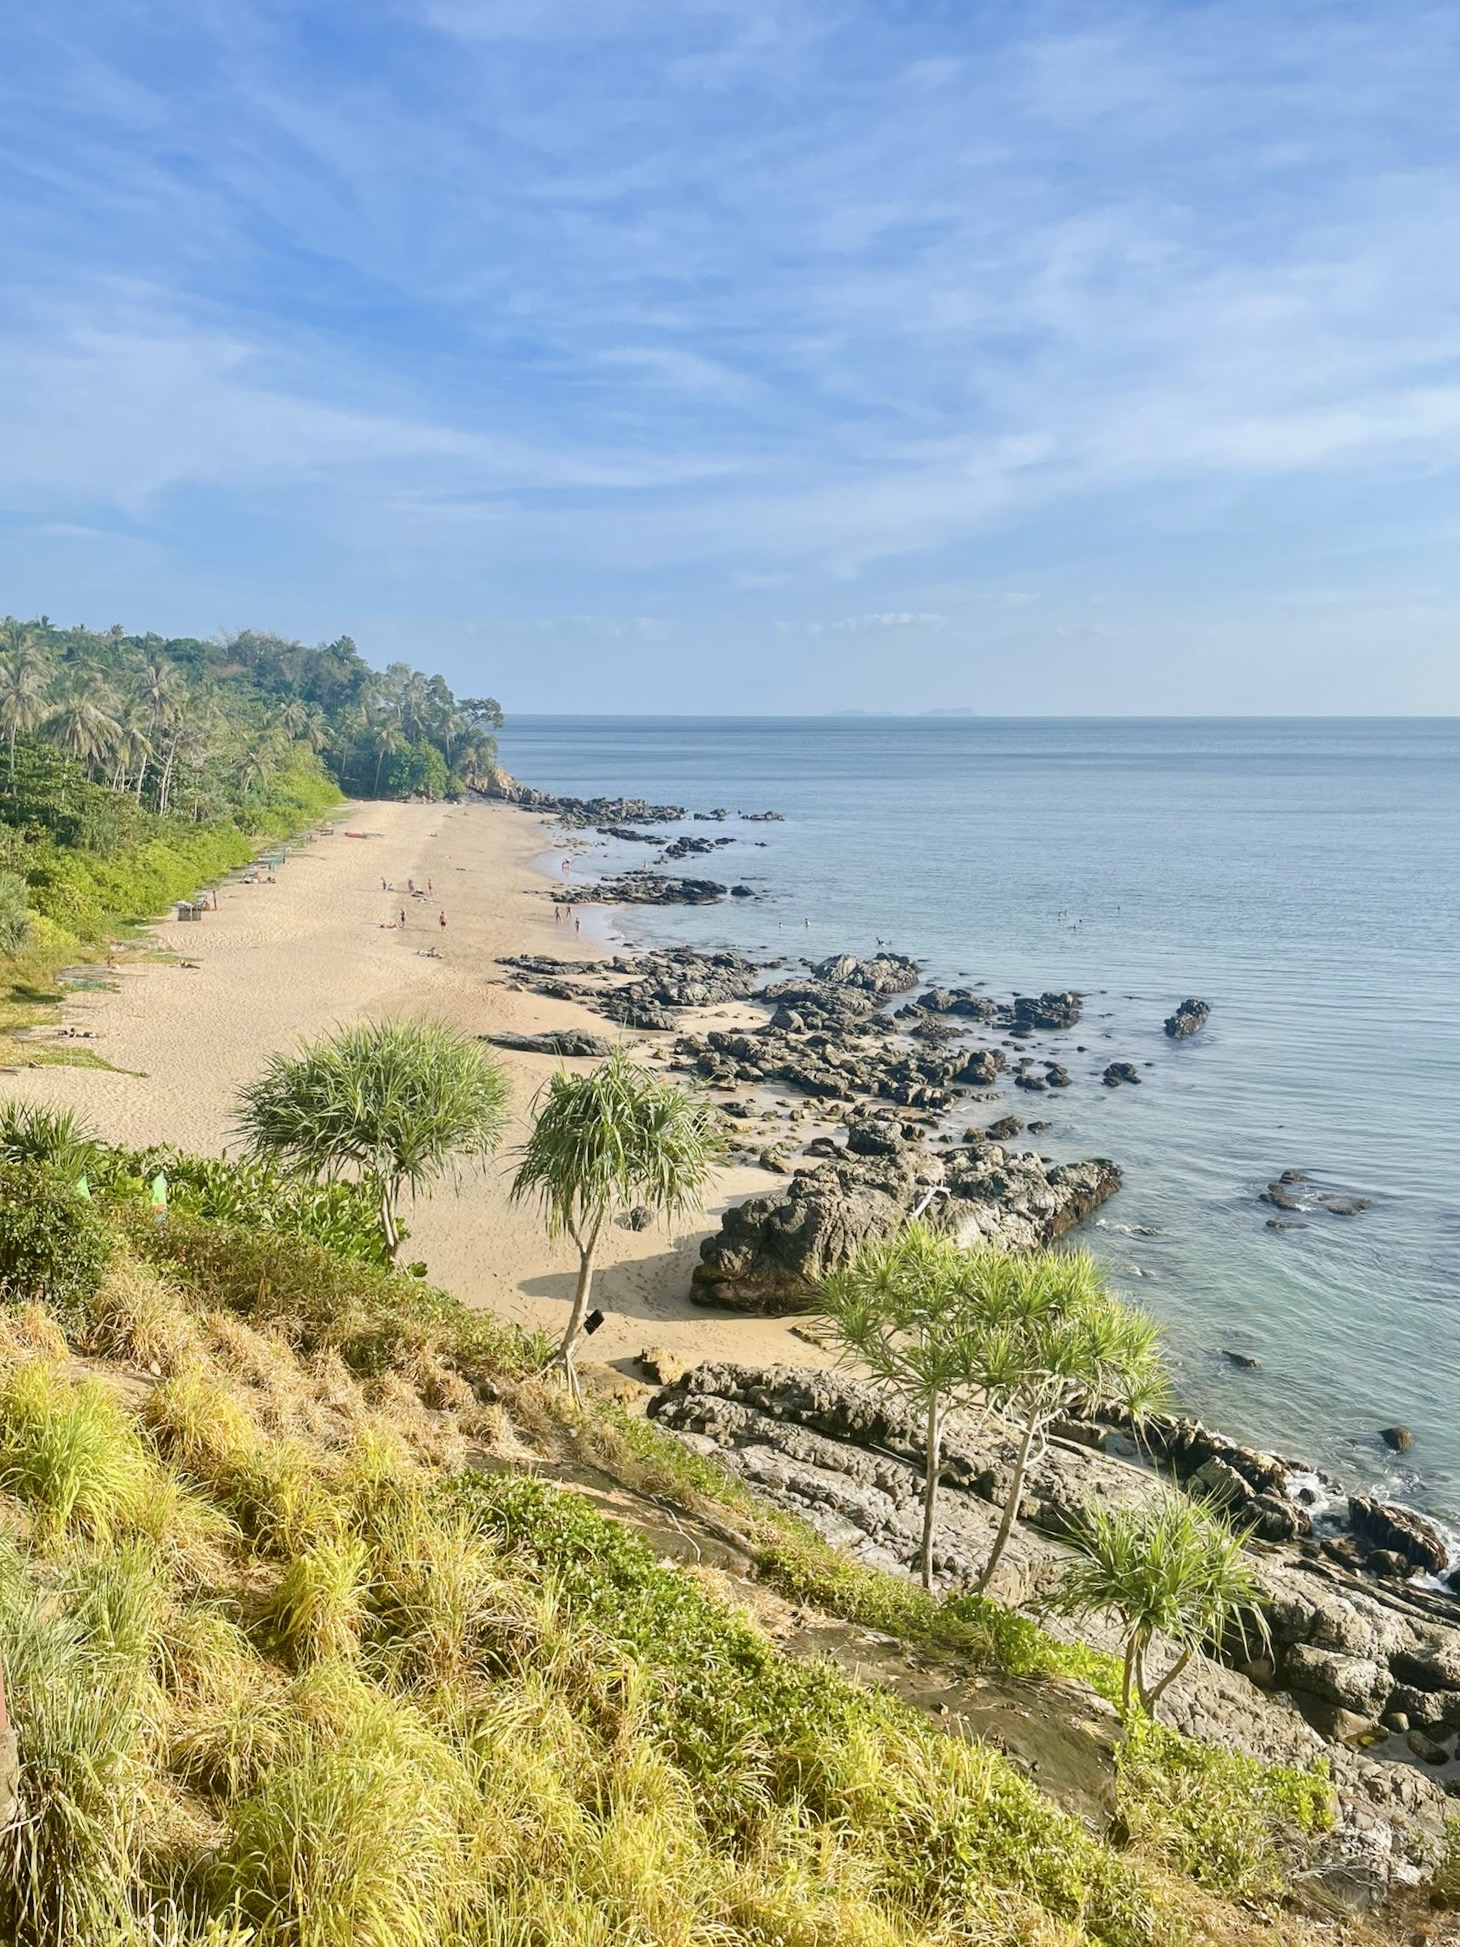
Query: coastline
279,962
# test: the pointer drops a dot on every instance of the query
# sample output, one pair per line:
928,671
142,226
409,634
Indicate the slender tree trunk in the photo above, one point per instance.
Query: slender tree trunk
587,1248
1170,1677
388,1216
1011,1504
1128,1673
932,1467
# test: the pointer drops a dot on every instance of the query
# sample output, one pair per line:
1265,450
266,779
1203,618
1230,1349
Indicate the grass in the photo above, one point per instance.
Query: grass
285,1679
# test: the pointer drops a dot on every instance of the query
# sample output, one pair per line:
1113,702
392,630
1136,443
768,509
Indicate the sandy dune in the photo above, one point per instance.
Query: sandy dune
323,944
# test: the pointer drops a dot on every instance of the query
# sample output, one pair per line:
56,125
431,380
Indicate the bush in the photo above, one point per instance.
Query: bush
53,1245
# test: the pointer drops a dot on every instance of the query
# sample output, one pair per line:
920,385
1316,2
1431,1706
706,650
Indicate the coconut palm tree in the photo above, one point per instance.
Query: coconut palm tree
84,724
603,1141
26,675
394,1103
1166,1568
900,1309
387,739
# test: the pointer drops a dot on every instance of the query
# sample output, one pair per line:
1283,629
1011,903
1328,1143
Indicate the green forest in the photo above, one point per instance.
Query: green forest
136,768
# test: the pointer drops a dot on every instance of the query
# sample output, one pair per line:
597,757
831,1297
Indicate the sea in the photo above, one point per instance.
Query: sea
1301,876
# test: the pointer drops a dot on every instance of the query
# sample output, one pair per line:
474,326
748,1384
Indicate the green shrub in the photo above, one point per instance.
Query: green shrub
54,1247
1216,1814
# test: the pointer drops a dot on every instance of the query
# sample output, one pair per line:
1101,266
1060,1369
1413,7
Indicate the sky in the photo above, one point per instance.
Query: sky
748,355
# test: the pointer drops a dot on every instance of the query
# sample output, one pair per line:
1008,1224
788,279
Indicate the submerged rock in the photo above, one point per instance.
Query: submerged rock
1190,1018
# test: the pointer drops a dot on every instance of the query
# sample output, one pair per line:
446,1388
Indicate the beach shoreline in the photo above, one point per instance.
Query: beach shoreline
322,944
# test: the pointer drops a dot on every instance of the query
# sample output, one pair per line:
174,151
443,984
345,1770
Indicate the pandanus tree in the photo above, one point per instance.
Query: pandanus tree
1166,1567
900,1309
395,1104
601,1142
1026,1338
1054,1339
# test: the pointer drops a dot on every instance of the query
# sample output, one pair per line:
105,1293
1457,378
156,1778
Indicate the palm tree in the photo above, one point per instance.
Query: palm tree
603,1141
396,1103
1053,1339
387,739
84,725
1166,1567
901,1310
26,673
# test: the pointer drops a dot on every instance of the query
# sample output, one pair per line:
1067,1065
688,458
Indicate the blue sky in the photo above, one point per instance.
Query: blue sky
748,354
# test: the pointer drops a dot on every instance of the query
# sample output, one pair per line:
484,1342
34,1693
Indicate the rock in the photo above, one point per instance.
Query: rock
1395,1722
1243,1361
774,1158
1004,1129
1056,1076
882,976
1384,1561
650,889
1276,1520
1400,1529
743,892
1121,1071
1034,1083
1190,1017
1398,1439
574,1042
1046,1011
1338,1205
1426,1749
1434,1668
665,1368
877,1136
1279,1194
1221,1484
1353,1683
773,1251
639,1218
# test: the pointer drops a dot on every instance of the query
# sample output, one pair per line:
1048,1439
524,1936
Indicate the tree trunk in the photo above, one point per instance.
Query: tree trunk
1170,1677
1128,1673
1011,1504
388,1216
932,1466
587,1247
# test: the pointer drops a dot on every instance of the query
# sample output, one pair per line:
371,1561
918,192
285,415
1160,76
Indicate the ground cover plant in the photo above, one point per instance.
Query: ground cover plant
289,1672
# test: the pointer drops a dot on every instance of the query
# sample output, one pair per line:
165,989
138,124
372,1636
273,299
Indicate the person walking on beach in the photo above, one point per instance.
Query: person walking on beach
402,915
577,926
557,914
441,917
566,864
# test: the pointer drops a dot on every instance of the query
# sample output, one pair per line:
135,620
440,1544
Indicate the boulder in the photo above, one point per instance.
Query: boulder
1398,1439
1190,1017
1399,1530
573,1042
1353,1683
1046,1011
882,976
1117,1072
665,1368
772,1252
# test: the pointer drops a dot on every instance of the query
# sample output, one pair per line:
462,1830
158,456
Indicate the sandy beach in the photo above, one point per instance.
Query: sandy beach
277,962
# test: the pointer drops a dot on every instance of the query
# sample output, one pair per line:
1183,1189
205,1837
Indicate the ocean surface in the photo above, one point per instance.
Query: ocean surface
1301,876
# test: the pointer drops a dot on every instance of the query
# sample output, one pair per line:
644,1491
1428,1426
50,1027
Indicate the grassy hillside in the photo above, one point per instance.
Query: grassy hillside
302,1648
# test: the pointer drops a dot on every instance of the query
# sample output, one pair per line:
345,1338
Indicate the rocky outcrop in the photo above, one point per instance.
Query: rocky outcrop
645,888
1399,1531
575,1042
772,1252
1117,1072
580,812
880,977
1190,1018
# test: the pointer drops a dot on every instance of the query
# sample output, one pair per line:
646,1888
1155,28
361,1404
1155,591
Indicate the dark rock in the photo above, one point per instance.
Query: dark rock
650,889
876,1136
639,1218
882,976
1434,1668
1056,1076
772,1252
1343,1206
1426,1749
1121,1071
1004,1129
565,1041
1190,1017
1384,1561
1034,1083
1243,1361
690,847
1398,1439
1401,1530
1279,1194
763,817
581,812
1046,1011
742,892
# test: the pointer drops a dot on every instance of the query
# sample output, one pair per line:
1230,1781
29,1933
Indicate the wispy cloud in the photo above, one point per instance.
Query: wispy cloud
751,296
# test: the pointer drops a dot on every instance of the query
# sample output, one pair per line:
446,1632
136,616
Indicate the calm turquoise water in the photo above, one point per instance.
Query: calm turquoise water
1301,876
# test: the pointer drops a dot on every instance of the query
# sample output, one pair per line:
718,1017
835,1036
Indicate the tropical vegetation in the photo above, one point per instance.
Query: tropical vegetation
287,1673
